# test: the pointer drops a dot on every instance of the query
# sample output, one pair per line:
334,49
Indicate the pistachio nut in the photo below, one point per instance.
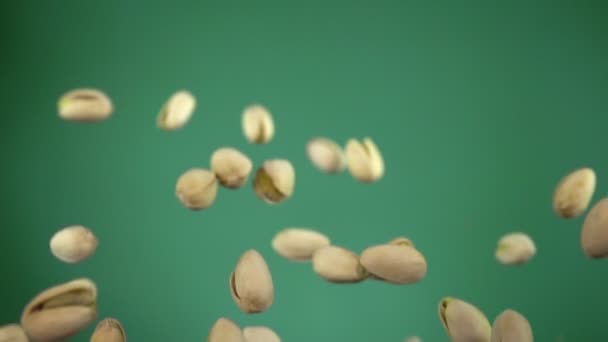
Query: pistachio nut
260,334
326,155
231,167
511,326
298,244
463,322
109,330
413,339
338,265
60,311
364,160
85,105
515,249
594,235
402,241
251,283
73,244
573,193
275,181
196,189
258,125
12,333
225,330
395,263
177,111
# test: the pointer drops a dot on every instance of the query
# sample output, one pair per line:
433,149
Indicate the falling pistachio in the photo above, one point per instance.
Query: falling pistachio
594,234
463,322
338,265
573,193
413,339
225,330
298,244
73,244
109,330
515,249
231,167
397,263
326,155
260,334
511,326
251,283
364,160
257,123
177,111
275,181
85,105
196,189
12,333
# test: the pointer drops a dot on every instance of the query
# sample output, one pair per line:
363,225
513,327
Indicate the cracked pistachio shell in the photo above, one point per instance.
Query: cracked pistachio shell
231,167
515,249
85,105
511,326
12,333
177,111
338,265
364,160
73,244
251,283
60,311
395,263
463,322
260,334
594,234
573,193
196,189
413,339
225,330
298,244
326,155
275,181
109,330
257,123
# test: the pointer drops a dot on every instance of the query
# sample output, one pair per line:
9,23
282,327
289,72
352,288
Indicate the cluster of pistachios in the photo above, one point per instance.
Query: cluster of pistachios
225,330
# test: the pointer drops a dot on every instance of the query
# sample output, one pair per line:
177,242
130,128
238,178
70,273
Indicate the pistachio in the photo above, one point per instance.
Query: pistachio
109,330
395,263
177,111
196,189
326,155
85,105
275,181
515,249
364,160
298,244
401,241
338,265
260,334
463,322
573,193
225,330
231,167
12,333
251,283
594,235
258,125
511,326
73,244
60,311
413,339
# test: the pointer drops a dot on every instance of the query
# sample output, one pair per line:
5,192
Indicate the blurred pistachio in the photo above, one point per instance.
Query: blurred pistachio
515,249
85,105
326,155
231,167
338,265
73,244
177,111
413,339
511,326
12,333
257,123
275,181
594,234
298,244
395,263
251,283
573,193
260,334
463,322
364,160
109,330
225,330
402,241
60,312
196,189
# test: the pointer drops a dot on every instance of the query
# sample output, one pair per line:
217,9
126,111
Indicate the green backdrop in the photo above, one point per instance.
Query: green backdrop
479,108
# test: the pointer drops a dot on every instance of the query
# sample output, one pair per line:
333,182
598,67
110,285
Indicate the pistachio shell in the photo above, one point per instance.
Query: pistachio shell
413,339
511,326
258,125
463,322
275,181
338,265
298,244
177,111
73,244
85,105
364,160
251,283
573,193
12,333
196,189
515,249
109,330
594,235
394,263
326,155
260,334
225,330
231,167
60,311
402,241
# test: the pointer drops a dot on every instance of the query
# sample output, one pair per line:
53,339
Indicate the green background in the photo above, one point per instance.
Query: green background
478,107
